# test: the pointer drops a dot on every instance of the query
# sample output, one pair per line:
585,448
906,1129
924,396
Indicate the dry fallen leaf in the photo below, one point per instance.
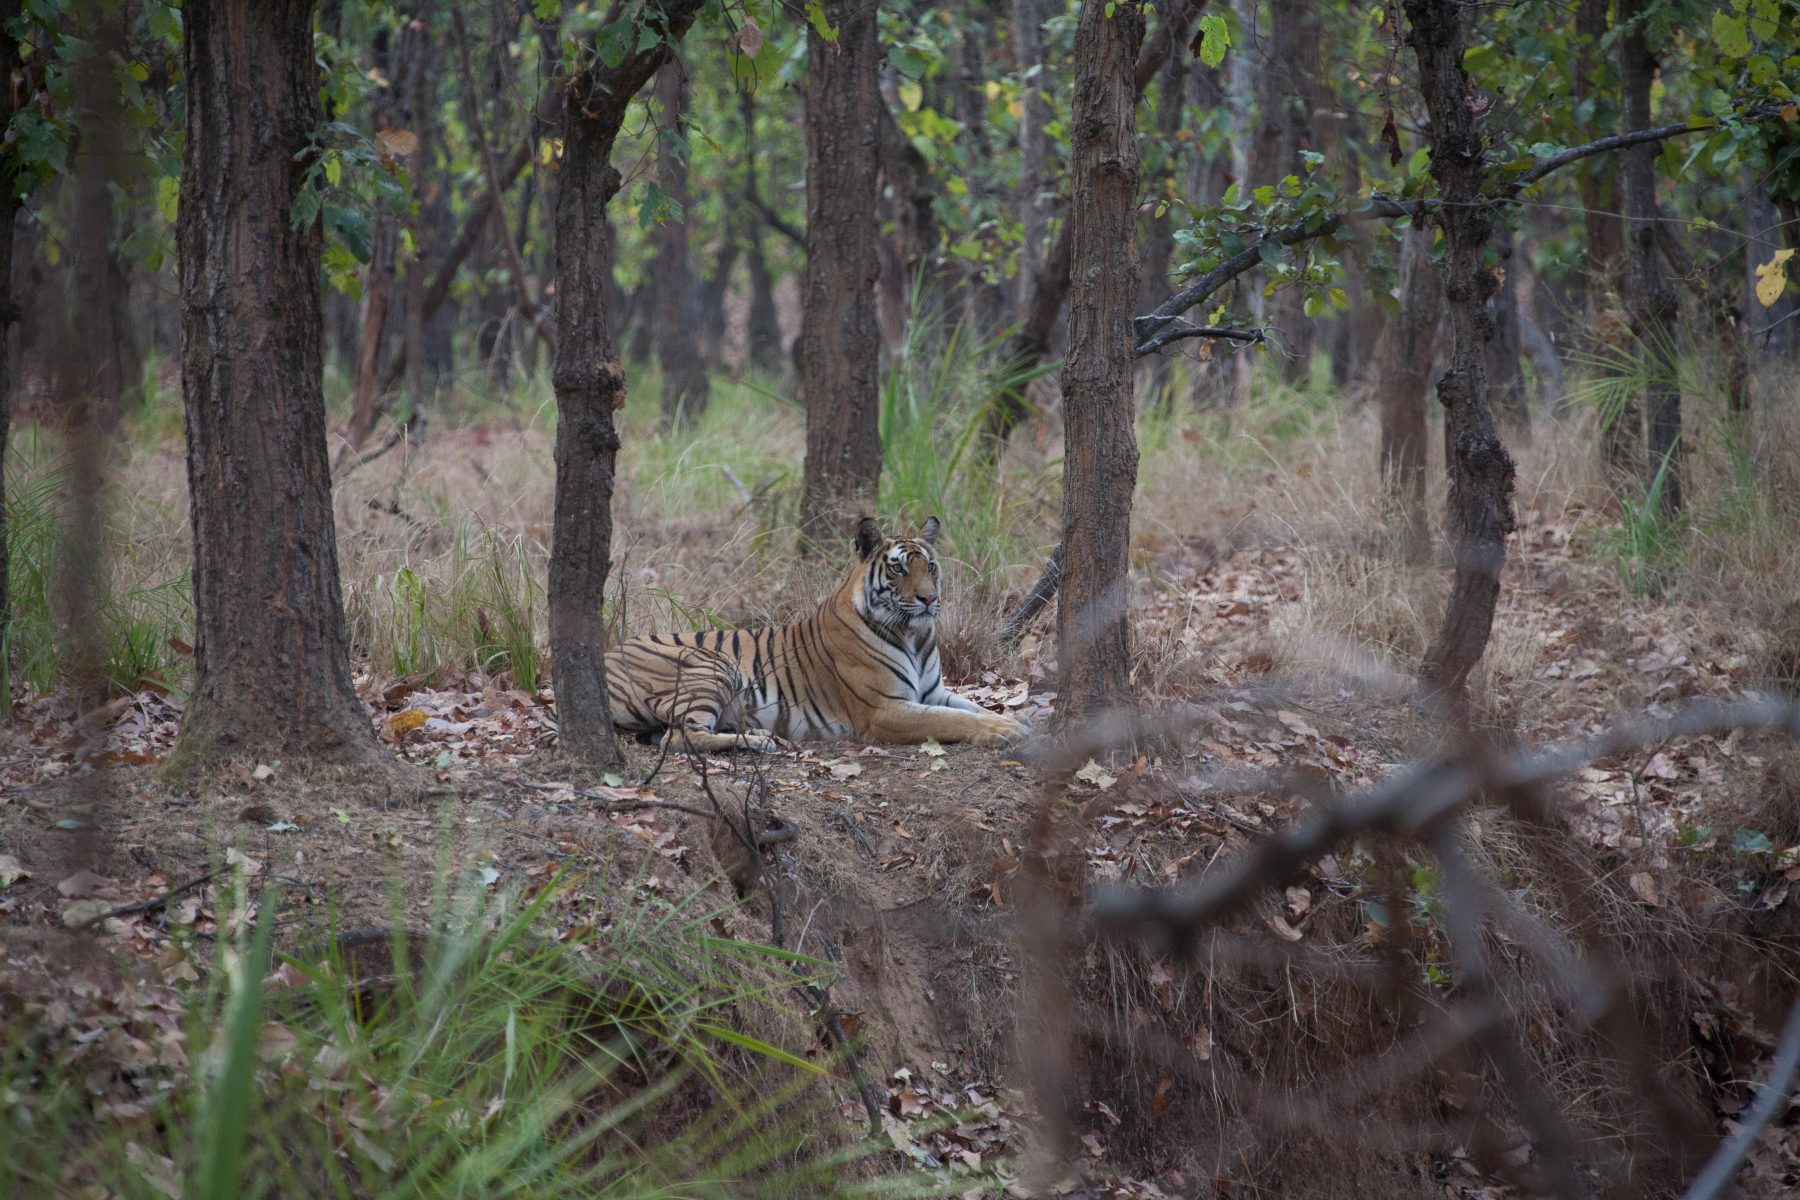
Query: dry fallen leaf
1643,886
1284,929
402,723
83,883
397,143
11,870
1096,774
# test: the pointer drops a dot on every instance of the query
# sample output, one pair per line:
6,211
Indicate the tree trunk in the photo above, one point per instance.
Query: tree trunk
9,315
1651,300
1480,469
99,319
367,402
1403,379
1289,92
1034,140
840,337
1506,380
1779,339
1159,231
272,675
1604,245
590,385
763,327
1049,283
677,351
1100,469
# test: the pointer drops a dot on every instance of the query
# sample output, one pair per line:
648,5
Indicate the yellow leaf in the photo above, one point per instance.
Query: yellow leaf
1771,278
402,723
911,95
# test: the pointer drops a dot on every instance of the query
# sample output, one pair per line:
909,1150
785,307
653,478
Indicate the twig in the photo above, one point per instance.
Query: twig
1716,1176
1183,329
856,830
742,491
154,902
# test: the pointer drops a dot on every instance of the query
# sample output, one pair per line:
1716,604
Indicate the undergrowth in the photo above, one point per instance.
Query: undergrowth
488,1059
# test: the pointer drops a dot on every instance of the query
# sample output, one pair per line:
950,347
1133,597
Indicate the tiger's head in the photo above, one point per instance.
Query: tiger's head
900,575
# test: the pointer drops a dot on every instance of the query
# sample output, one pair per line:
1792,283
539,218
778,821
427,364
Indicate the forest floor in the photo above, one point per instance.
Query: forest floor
910,863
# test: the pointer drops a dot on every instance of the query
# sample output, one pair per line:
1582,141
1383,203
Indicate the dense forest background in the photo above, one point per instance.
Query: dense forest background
1307,389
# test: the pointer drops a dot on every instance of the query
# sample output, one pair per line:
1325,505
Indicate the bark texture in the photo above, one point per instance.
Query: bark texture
99,322
590,385
1100,468
272,671
840,338
9,313
1480,469
1403,378
677,348
1650,298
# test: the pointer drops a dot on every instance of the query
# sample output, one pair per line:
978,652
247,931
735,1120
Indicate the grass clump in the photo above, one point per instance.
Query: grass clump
487,1059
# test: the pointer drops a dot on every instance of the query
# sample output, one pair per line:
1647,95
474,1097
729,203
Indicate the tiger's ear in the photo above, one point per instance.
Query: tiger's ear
929,532
868,537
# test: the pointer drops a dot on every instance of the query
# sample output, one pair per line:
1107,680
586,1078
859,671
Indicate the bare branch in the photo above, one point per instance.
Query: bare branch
1183,330
1636,137
1408,805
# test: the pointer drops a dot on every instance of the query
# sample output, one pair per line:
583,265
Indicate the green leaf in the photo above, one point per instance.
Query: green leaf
757,1046
1732,35
168,200
351,226
1214,39
1751,841
815,12
334,170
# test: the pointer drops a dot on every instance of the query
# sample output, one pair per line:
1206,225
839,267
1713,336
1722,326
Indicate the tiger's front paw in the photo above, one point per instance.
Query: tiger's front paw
1001,731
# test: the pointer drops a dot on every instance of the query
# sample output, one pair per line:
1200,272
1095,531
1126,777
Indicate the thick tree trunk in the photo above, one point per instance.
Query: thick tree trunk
1403,379
1651,299
1480,469
1506,379
840,336
590,385
677,349
1093,626
272,671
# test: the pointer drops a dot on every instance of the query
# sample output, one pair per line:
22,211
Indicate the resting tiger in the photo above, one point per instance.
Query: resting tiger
865,664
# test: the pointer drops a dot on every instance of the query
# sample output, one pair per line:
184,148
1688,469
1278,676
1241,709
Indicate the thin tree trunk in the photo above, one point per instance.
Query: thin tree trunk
100,287
1289,93
1093,625
1034,140
1480,469
1159,230
1403,379
1774,332
1603,249
9,315
590,385
677,349
1049,283
272,674
1651,300
840,336
763,331
1506,380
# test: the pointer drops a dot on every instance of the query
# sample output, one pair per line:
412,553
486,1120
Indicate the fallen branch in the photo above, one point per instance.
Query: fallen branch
155,902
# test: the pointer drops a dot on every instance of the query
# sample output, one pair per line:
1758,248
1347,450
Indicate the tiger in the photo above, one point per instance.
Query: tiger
864,664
